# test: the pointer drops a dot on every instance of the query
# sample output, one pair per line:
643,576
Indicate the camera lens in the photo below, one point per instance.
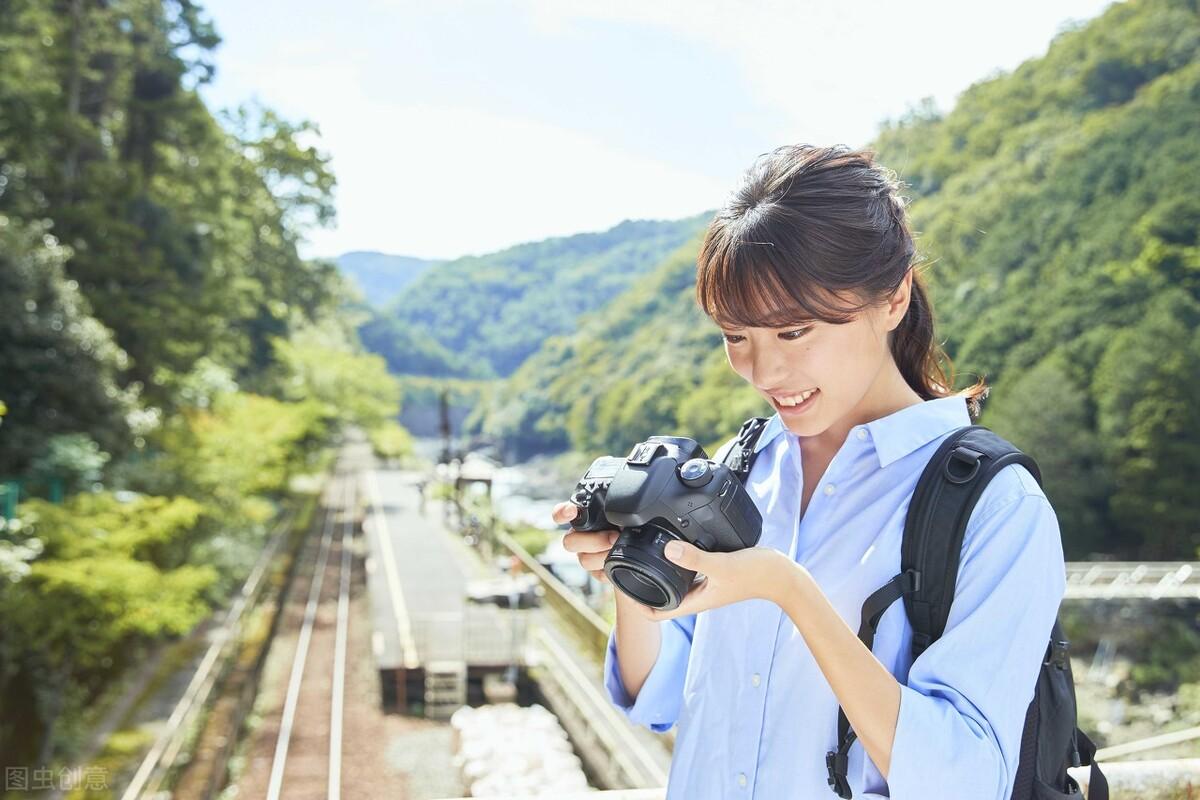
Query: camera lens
637,566
642,589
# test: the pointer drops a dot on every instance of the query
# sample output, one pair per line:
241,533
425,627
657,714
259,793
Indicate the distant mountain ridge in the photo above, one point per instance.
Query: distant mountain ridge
381,276
482,316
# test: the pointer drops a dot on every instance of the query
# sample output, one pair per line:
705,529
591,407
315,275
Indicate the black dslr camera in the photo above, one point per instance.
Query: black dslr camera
666,489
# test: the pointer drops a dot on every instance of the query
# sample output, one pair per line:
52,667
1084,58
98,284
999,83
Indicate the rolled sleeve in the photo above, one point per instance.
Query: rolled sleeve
657,704
962,712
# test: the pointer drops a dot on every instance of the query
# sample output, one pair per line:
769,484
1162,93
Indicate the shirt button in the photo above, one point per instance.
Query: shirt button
756,679
742,779
862,433
829,488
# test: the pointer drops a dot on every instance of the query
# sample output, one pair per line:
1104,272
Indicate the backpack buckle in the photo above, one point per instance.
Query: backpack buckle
1056,654
836,764
969,457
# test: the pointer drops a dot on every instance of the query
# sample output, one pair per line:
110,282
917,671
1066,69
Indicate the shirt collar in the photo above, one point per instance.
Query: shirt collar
901,432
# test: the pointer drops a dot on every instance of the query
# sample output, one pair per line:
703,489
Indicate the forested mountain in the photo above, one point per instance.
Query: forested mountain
1058,212
481,316
631,371
379,276
167,360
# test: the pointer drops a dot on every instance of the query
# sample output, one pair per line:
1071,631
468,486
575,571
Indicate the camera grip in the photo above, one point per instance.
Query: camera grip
589,516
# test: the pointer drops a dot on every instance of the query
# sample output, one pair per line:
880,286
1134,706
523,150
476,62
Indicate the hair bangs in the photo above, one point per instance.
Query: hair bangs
743,284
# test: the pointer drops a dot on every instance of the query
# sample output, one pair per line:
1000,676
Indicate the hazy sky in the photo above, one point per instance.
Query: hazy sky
464,127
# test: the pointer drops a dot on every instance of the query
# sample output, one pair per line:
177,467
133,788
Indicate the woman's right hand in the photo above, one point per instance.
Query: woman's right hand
590,547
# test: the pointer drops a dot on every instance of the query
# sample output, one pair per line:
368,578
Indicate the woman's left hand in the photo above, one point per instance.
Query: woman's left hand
751,573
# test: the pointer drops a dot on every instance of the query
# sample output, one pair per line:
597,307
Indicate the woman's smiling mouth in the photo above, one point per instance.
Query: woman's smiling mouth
796,403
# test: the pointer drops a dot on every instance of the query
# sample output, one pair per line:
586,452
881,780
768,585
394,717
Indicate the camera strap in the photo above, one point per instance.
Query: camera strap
740,456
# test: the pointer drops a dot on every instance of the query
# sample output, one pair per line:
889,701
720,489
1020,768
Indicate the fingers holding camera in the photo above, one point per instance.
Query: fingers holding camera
593,562
591,549
589,541
565,512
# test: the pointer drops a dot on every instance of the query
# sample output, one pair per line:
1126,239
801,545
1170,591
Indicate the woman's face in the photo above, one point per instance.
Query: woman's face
849,366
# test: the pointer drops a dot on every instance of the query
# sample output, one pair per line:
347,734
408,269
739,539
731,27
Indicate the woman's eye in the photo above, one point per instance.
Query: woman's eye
793,335
732,339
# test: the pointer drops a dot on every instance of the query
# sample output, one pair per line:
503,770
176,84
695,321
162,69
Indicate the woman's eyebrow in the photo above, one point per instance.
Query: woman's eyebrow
792,322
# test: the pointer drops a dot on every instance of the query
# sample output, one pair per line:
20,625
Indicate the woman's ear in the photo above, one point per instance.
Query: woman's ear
898,304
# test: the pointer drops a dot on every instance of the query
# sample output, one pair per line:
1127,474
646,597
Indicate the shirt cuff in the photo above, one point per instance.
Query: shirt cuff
658,702
937,751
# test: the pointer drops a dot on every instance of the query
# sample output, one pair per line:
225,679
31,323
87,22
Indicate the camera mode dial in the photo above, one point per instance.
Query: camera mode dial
695,472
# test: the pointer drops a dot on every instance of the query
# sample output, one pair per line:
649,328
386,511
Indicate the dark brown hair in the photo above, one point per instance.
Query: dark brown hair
821,233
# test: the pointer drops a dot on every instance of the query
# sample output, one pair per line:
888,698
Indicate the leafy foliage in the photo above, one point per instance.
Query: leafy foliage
61,367
151,529
108,578
392,441
353,386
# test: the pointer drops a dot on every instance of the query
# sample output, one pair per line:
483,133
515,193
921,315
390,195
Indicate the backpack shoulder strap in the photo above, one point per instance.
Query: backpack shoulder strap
938,513
739,455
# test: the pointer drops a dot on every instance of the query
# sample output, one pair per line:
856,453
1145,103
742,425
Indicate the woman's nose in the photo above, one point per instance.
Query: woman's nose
770,369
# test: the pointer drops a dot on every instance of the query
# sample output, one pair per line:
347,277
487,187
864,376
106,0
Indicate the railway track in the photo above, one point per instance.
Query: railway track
307,760
159,761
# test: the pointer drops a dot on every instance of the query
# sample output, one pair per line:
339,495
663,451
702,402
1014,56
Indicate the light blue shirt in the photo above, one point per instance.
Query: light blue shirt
755,713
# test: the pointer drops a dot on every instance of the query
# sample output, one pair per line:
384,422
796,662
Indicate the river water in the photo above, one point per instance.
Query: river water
524,493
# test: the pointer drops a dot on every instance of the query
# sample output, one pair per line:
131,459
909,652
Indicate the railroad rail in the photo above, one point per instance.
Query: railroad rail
344,503
164,753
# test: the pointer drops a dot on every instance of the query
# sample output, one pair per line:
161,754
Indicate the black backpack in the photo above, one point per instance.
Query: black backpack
941,505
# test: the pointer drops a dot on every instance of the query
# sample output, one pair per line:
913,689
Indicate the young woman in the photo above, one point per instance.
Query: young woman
809,272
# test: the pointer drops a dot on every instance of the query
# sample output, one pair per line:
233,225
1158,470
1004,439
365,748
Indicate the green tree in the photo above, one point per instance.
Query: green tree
353,386
84,609
60,370
1145,388
1046,414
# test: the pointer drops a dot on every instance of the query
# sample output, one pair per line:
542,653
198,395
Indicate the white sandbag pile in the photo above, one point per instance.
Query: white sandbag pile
506,749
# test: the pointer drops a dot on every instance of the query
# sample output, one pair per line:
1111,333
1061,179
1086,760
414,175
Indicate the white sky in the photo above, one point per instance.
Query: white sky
464,127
